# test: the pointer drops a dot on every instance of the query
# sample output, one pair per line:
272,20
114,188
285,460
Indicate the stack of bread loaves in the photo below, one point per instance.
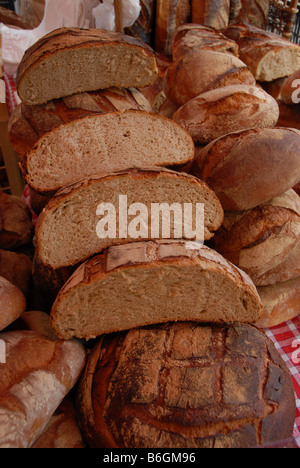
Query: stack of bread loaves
251,165
177,361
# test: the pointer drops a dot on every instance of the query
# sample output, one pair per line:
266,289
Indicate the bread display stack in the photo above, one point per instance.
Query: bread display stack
175,359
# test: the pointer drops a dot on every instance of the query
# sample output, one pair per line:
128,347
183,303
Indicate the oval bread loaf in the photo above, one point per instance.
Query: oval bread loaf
203,70
66,233
264,241
186,385
144,283
28,123
72,60
246,169
36,377
225,110
105,143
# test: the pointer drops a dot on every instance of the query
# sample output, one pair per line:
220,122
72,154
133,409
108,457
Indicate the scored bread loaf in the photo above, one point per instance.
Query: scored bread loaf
16,228
268,55
213,13
169,15
226,110
72,60
28,123
255,12
281,303
144,283
192,36
246,169
36,377
66,231
203,70
264,241
105,143
185,385
12,303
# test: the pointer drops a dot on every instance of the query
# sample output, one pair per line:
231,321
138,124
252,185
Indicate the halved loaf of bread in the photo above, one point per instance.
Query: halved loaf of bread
144,283
105,143
66,230
73,60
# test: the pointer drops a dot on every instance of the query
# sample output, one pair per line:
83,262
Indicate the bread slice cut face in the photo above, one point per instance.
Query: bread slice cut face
137,204
134,285
105,143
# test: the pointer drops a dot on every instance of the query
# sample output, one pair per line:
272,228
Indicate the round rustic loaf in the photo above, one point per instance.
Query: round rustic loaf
264,241
281,302
203,70
225,110
185,386
16,228
248,168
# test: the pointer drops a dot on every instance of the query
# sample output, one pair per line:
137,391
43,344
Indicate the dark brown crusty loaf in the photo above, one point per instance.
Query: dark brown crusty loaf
144,27
281,302
213,13
264,241
203,70
185,385
72,60
28,123
16,268
246,169
16,228
192,36
169,15
226,110
269,56
144,283
37,376
66,231
105,143
255,12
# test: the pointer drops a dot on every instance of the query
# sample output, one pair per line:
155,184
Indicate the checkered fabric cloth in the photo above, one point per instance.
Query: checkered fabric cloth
286,337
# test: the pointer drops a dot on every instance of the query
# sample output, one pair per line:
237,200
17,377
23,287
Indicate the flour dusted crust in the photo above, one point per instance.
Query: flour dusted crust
33,384
80,41
185,386
158,279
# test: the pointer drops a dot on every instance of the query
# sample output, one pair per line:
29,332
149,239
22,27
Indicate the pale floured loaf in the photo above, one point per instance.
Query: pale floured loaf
73,60
143,283
66,231
105,143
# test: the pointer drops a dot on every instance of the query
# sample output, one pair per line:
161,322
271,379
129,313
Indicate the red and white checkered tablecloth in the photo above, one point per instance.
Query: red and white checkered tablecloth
286,337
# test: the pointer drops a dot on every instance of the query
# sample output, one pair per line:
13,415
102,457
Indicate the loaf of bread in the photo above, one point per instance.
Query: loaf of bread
144,283
192,36
281,303
169,15
246,169
72,60
36,321
226,110
105,143
144,27
290,91
16,228
185,386
37,376
213,13
62,430
16,268
66,232
28,123
264,241
255,12
203,70
268,55
12,302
